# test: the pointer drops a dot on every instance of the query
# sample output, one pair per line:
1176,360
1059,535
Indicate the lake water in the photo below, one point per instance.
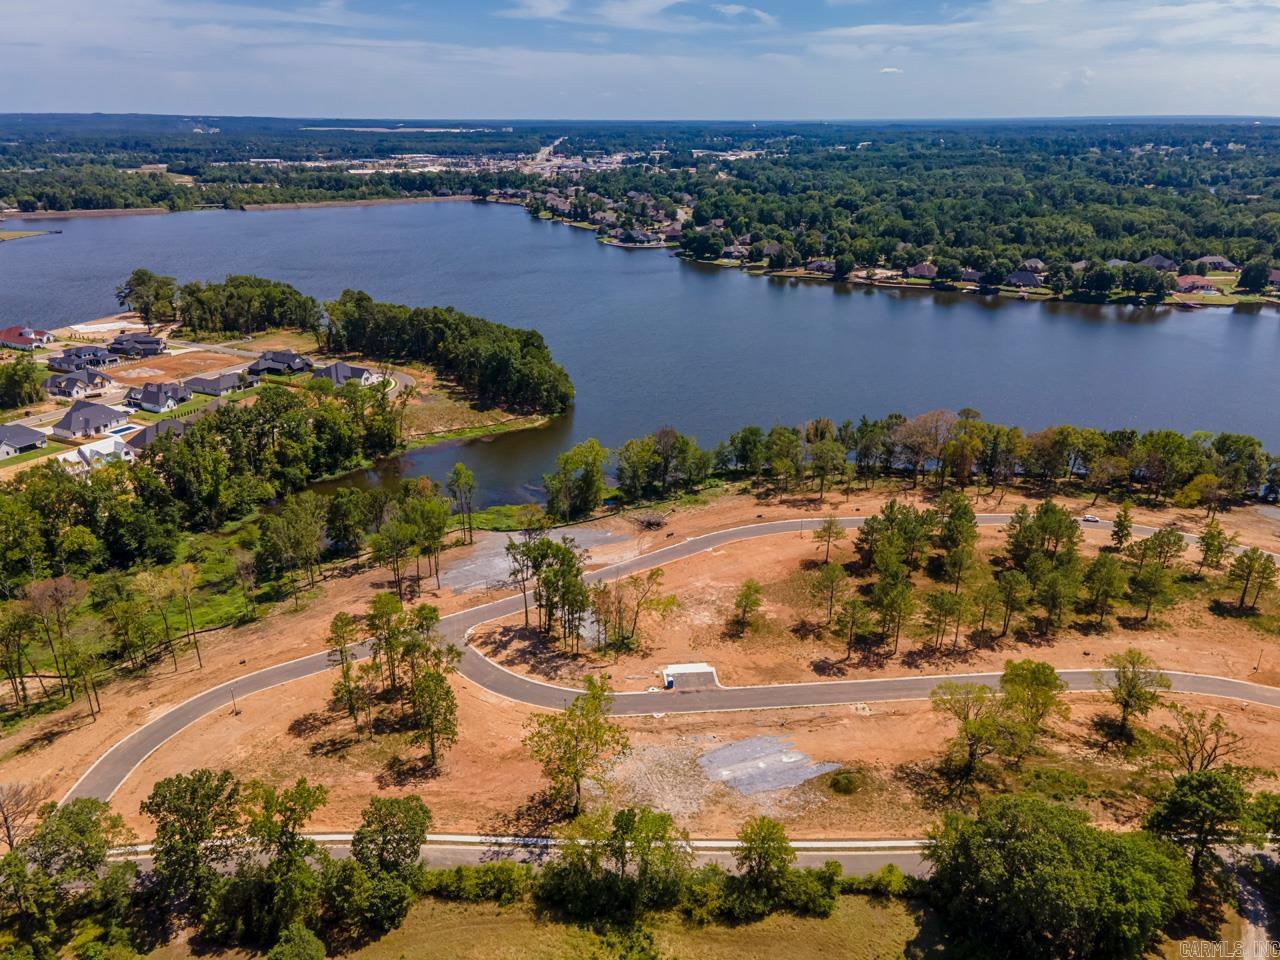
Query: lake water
650,340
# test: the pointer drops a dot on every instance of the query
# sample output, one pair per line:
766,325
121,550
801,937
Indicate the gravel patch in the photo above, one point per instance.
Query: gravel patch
761,765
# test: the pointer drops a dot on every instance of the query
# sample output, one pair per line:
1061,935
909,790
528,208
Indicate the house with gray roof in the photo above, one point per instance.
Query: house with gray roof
158,397
170,427
281,363
223,383
339,373
1215,262
16,439
1158,261
75,386
87,419
77,358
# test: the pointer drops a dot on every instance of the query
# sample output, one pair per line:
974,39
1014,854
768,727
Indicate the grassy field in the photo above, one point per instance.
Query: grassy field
50,448
860,929
197,402
20,234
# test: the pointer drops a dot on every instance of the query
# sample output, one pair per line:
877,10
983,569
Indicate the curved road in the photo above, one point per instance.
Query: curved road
114,767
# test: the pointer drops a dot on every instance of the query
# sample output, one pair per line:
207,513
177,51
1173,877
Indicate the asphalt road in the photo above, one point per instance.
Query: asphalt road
114,767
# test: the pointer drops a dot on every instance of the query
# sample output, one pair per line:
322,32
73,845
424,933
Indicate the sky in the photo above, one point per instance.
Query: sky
642,59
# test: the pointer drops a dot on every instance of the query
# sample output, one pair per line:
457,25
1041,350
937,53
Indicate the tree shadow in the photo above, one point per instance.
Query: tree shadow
1223,608
937,786
806,629
402,771
536,817
525,647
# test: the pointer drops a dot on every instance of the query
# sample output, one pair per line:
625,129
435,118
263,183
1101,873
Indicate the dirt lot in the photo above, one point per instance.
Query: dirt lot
173,366
487,781
59,747
788,642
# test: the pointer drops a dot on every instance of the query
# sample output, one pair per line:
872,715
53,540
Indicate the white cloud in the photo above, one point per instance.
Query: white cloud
890,69
739,10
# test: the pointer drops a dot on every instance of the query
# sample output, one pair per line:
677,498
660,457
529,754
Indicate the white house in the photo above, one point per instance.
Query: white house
90,456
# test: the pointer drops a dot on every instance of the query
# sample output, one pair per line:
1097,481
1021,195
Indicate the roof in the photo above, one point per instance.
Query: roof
339,373
221,383
1033,263
1215,258
1274,276
172,427
1117,263
155,393
87,417
1159,261
924,269
89,377
1022,278
16,435
1191,280
282,358
26,336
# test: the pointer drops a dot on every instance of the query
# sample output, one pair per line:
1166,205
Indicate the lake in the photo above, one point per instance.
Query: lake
650,340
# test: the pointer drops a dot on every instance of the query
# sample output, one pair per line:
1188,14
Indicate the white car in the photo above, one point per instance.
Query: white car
1089,518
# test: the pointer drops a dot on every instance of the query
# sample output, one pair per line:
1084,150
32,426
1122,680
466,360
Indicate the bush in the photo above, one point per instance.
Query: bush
502,882
812,893
888,881
358,903
848,782
297,943
703,898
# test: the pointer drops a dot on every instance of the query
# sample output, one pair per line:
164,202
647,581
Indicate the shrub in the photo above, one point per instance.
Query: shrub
848,782
812,893
297,943
888,881
703,898
502,882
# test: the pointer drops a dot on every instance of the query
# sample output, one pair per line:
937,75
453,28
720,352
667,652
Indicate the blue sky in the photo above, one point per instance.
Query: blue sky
756,59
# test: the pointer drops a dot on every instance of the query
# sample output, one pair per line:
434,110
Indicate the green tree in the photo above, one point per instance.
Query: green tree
1134,683
576,745
1032,694
1015,590
1152,587
1252,569
391,834
297,943
392,546
828,583
1215,544
1042,883
435,712
764,857
462,487
979,714
853,620
576,488
827,533
1255,276
197,820
746,604
1105,579
1202,811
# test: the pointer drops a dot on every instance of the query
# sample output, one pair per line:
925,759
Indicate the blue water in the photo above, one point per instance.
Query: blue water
650,340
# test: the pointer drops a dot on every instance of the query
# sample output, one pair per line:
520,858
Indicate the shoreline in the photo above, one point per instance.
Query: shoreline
368,202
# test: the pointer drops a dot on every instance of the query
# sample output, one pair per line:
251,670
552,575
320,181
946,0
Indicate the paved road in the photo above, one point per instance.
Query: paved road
114,767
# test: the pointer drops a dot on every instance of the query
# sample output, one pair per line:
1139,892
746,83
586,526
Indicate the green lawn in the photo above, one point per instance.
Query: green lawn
860,929
49,449
199,401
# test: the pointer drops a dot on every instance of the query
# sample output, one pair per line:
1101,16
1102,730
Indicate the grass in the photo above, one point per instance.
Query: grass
20,234
50,448
480,430
861,928
198,402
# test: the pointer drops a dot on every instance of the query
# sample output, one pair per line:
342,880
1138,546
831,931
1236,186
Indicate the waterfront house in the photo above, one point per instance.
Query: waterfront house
281,363
1034,264
1273,278
1117,263
77,385
223,383
24,338
1022,279
87,419
136,345
158,397
1191,283
16,439
970,275
339,373
922,271
1080,266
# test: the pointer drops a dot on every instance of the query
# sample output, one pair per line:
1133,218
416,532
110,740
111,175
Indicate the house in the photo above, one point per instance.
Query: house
923,271
339,373
77,358
1215,262
86,419
24,338
1273,278
1080,266
1159,262
136,345
280,362
15,439
170,427
1117,263
970,275
827,267
1191,283
158,397
89,456
1022,278
222,384
1034,265
74,386
771,247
